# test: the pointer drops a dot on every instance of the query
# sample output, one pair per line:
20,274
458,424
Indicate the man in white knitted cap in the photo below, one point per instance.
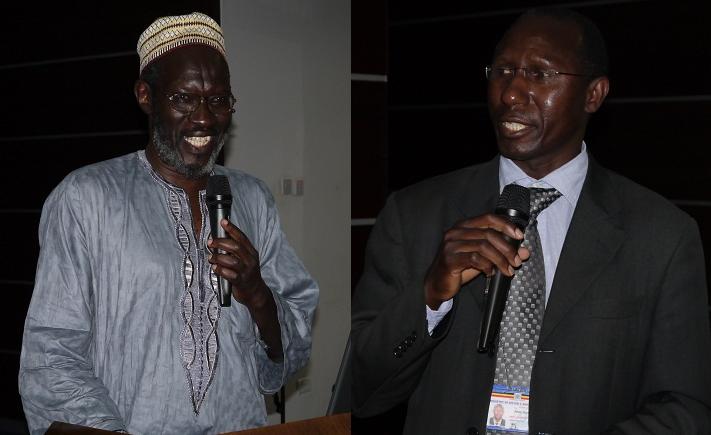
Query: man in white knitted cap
125,330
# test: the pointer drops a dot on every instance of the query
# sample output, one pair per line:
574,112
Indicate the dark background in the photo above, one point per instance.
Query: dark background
430,116
67,74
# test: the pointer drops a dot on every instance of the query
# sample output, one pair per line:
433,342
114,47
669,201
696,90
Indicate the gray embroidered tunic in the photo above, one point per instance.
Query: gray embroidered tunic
125,331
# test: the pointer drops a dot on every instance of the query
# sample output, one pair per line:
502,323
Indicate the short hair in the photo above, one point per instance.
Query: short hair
150,75
592,52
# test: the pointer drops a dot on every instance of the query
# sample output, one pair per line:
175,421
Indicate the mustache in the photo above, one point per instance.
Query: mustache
200,132
513,116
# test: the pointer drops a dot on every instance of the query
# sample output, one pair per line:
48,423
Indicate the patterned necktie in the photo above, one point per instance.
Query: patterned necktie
523,315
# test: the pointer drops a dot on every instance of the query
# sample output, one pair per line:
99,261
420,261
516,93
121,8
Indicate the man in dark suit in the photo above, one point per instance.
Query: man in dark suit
624,345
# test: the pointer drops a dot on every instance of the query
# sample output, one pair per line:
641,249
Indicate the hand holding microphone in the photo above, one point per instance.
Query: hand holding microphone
236,262
473,246
513,205
234,259
219,203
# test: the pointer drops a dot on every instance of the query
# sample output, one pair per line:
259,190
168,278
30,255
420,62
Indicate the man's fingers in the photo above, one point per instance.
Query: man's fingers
492,245
473,246
494,222
523,254
226,260
480,255
237,234
503,247
481,263
491,254
226,272
469,274
227,245
240,248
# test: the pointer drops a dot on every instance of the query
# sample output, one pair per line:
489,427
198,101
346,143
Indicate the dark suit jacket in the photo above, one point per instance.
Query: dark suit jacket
624,346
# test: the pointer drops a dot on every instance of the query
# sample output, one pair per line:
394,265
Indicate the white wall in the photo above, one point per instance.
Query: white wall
290,67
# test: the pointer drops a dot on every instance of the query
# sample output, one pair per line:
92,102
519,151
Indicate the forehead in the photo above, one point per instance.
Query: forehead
544,39
194,63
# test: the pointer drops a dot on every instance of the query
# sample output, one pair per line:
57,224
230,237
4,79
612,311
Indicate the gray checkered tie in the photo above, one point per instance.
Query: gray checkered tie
523,315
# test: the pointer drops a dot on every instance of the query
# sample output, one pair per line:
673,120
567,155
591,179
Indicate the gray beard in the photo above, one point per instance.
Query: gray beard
169,155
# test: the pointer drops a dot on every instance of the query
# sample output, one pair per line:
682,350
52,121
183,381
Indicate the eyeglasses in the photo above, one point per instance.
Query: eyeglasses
533,75
187,103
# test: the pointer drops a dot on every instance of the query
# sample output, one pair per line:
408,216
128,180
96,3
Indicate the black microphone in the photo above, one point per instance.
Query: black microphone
514,205
219,202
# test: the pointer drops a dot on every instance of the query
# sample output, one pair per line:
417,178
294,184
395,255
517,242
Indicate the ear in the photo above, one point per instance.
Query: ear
596,93
143,96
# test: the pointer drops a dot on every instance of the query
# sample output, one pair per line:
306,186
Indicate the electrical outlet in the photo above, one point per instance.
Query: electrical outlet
286,186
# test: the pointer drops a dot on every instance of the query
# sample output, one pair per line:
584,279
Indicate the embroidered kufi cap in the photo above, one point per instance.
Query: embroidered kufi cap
168,33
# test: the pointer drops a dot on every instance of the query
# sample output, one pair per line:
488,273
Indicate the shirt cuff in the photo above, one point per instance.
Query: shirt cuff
435,316
270,373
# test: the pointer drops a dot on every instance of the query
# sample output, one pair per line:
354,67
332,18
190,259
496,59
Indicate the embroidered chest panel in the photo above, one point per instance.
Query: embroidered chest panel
199,303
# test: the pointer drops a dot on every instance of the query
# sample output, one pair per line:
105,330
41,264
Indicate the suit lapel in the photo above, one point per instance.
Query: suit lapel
594,236
479,193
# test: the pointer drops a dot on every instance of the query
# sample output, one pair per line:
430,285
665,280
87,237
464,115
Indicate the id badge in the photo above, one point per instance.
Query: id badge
508,409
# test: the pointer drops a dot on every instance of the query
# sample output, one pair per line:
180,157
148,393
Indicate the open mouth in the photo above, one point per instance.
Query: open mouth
514,129
513,126
198,141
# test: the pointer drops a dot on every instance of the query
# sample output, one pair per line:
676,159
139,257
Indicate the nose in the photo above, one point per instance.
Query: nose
516,90
202,115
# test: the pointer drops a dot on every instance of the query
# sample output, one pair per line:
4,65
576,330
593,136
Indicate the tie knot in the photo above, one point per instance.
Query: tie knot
540,199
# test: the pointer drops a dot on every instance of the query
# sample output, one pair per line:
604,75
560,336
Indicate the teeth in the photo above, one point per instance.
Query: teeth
513,126
198,141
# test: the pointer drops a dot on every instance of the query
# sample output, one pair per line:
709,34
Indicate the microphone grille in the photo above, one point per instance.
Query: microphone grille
218,185
515,197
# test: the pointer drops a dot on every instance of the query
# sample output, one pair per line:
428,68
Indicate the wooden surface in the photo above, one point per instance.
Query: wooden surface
339,424
59,428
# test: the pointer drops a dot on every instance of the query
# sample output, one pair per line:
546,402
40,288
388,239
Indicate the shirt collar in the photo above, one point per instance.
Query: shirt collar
568,179
159,178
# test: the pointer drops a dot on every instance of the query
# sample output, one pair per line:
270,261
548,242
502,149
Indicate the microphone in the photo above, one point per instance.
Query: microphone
514,205
219,202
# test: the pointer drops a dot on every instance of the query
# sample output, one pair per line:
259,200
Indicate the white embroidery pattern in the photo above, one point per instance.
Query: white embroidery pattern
199,305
